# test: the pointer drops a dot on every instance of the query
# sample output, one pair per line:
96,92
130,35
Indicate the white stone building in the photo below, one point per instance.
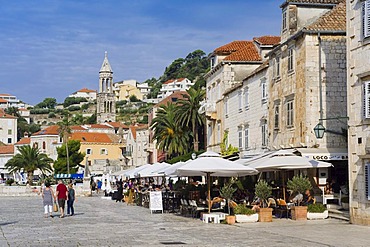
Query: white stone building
8,128
171,86
136,145
86,93
8,100
358,76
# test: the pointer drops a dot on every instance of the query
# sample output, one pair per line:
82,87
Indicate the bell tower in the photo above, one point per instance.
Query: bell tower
106,105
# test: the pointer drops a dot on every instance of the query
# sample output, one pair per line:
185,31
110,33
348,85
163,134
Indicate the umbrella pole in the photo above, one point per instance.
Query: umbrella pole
209,191
284,185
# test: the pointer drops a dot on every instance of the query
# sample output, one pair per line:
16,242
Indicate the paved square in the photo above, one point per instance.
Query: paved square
101,222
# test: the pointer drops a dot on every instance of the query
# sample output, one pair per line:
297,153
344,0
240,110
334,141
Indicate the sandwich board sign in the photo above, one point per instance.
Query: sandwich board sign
155,201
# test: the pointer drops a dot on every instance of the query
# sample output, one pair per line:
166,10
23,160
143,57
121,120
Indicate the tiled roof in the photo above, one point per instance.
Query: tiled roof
5,115
85,90
9,149
116,125
98,126
5,94
232,47
78,128
169,81
172,98
267,40
3,101
91,137
51,130
248,53
24,141
333,20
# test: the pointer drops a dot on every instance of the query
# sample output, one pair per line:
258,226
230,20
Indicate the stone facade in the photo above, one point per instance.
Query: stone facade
106,104
358,76
137,143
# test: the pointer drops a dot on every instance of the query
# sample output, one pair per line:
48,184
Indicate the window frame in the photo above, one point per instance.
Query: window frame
264,89
240,138
290,113
277,117
88,151
291,59
240,99
365,16
264,133
277,64
284,25
226,105
367,180
246,138
105,151
366,100
246,98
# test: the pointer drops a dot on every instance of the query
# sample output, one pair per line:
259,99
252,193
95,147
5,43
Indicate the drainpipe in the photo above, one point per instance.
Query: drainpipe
320,79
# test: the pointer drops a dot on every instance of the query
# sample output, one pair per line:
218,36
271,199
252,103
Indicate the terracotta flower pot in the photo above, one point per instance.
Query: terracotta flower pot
265,215
299,213
230,219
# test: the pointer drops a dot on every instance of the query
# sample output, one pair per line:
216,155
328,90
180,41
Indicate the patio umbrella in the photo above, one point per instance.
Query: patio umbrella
212,164
150,171
170,170
131,173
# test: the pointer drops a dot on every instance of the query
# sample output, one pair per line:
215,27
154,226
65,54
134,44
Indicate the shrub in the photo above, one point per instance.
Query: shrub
9,181
263,191
51,115
316,208
242,209
299,184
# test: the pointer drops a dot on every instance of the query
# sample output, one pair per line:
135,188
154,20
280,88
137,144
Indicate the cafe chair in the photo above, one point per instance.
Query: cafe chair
195,209
282,208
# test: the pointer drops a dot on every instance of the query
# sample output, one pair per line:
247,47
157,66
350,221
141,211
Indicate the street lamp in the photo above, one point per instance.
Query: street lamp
319,130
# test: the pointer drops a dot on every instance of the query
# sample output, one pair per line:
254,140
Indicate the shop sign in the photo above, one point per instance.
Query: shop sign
328,156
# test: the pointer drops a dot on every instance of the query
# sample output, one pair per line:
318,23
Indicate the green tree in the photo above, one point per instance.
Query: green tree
91,119
170,136
188,115
64,132
48,103
12,111
68,162
29,159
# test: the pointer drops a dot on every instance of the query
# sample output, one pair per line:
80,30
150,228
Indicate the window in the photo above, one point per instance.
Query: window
246,138
246,98
290,113
88,151
43,145
9,131
240,100
284,20
226,107
366,18
218,132
9,140
264,90
367,182
264,134
276,117
277,64
366,103
103,151
290,59
240,137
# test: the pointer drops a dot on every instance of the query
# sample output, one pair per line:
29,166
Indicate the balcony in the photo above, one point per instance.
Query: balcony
149,148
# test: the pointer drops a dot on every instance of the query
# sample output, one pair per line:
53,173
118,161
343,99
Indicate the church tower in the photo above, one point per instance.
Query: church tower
106,105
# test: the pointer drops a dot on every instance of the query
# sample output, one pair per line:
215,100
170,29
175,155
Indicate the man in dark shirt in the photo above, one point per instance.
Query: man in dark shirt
62,194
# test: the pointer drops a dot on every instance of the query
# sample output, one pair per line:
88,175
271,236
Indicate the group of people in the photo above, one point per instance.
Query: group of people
62,195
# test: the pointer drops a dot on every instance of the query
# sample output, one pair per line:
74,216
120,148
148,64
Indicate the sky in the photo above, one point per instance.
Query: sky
53,48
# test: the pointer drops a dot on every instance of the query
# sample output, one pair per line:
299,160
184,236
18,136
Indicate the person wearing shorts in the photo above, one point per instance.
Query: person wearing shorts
62,194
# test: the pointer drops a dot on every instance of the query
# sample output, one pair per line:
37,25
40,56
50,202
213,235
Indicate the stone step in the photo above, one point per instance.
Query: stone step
338,214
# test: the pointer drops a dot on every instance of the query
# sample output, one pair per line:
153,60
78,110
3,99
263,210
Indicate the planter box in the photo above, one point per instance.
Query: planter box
265,215
243,218
230,219
299,213
318,216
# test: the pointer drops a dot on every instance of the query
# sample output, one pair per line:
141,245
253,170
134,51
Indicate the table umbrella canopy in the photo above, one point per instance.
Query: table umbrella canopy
170,170
131,173
150,171
283,160
213,164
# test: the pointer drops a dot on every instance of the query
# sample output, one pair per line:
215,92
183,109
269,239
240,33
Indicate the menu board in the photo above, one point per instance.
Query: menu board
155,201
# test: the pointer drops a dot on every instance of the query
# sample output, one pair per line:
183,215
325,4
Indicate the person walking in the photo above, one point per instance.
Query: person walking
62,194
71,199
47,199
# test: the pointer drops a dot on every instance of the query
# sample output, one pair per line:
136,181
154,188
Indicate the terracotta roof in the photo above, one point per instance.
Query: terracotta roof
98,126
24,141
5,94
5,115
9,149
51,130
116,125
78,128
232,47
172,98
91,137
267,40
248,53
333,20
85,90
3,101
169,81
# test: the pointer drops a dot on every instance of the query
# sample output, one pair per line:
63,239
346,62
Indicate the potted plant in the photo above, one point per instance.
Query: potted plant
227,192
345,202
317,211
244,214
263,191
299,184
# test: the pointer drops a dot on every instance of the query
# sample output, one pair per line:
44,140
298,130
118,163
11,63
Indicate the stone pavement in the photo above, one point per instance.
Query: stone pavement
101,222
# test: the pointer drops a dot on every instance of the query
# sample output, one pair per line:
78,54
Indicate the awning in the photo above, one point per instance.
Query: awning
324,153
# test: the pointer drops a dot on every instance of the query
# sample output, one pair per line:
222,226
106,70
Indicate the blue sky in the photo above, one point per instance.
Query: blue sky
53,48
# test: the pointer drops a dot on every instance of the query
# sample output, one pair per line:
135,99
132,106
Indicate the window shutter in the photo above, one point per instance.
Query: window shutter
367,182
366,18
367,99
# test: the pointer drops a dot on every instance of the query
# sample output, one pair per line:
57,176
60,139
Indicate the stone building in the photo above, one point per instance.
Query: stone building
136,145
358,76
308,84
8,128
230,64
106,104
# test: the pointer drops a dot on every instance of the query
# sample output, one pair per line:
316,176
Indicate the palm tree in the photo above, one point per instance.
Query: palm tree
170,137
64,131
28,160
188,115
